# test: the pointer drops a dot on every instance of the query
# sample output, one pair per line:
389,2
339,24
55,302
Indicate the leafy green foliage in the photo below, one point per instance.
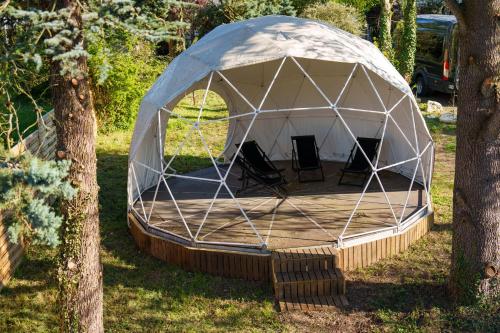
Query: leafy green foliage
407,45
122,68
178,15
287,8
301,5
36,34
341,16
28,186
430,6
384,41
228,11
363,6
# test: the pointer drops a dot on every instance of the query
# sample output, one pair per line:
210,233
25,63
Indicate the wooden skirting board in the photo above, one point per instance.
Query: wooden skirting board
365,254
247,266
252,266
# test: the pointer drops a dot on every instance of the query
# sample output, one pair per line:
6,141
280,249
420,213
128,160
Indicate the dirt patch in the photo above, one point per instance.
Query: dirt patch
337,321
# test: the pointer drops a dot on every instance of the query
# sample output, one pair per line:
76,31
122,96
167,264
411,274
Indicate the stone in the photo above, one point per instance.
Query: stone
448,118
434,107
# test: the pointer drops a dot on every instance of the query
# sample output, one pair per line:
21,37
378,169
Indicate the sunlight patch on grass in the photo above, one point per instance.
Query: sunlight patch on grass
196,146
405,293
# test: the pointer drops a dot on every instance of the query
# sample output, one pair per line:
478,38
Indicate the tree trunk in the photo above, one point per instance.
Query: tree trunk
80,270
476,202
408,45
385,39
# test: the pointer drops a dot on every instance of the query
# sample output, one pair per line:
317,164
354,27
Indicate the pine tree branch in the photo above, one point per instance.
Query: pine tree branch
457,10
4,5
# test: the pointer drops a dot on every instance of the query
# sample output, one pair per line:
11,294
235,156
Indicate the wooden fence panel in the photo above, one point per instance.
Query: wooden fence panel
10,256
42,142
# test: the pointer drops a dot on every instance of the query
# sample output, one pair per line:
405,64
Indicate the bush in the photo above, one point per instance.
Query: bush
301,5
122,69
215,14
363,6
339,15
431,7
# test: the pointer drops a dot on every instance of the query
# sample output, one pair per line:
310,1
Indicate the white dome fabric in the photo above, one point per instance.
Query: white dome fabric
283,76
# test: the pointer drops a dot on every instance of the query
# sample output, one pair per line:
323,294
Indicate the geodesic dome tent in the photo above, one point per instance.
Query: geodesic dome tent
279,76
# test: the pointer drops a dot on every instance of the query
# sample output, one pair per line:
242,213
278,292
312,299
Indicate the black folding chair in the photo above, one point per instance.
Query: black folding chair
274,182
256,166
305,156
357,163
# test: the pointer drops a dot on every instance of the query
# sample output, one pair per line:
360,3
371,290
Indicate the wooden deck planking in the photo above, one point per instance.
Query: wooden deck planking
296,219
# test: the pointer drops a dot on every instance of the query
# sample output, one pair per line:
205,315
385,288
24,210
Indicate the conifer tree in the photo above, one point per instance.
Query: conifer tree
52,35
27,187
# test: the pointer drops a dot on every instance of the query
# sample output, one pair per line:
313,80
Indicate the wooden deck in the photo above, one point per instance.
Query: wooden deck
302,259
304,279
314,214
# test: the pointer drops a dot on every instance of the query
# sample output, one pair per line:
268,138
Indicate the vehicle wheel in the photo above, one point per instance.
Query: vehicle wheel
421,86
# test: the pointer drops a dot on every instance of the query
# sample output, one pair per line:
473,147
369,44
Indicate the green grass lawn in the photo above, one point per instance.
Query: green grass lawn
196,144
406,293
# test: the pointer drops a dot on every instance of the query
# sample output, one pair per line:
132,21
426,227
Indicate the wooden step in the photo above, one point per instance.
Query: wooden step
308,259
318,303
307,279
303,284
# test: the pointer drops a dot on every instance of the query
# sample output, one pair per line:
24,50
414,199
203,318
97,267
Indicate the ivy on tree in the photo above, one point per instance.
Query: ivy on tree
408,44
384,41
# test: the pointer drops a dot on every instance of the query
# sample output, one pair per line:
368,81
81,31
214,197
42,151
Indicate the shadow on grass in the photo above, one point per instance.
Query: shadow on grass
404,297
144,293
34,270
440,227
422,306
139,270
